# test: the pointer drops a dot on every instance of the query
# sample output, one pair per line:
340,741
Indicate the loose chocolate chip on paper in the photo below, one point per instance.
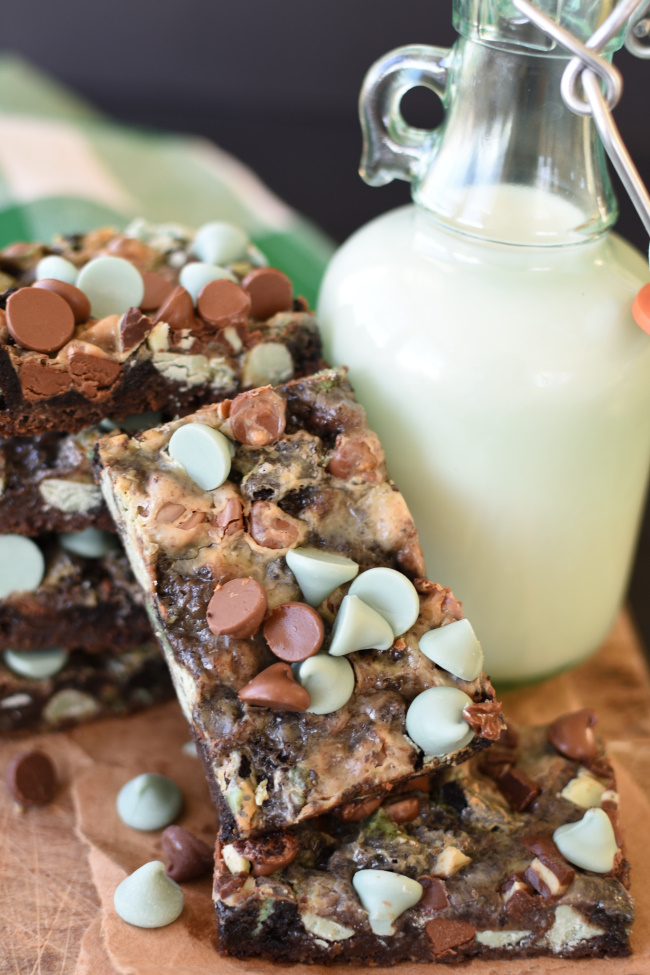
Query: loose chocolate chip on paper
188,857
39,319
270,291
258,417
74,297
223,303
31,778
237,608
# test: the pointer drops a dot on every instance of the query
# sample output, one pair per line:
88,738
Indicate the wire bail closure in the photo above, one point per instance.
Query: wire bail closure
593,71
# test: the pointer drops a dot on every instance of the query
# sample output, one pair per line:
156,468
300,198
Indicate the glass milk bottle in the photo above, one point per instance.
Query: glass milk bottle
489,334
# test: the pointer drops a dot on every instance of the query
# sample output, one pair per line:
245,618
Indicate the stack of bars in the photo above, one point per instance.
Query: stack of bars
101,332
373,805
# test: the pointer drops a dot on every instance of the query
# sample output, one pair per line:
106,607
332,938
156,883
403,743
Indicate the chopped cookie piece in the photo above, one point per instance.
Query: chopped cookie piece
89,602
85,687
118,334
367,889
282,744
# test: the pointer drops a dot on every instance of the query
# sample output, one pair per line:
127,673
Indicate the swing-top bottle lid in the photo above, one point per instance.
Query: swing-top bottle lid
500,23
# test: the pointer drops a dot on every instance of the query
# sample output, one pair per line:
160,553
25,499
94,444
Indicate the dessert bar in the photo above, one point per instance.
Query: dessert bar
514,855
110,325
69,590
43,691
264,530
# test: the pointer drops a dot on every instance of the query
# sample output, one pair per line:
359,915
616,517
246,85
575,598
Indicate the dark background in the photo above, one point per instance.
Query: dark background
276,83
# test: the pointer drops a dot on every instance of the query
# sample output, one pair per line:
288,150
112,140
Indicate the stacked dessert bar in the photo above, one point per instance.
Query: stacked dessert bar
339,705
101,332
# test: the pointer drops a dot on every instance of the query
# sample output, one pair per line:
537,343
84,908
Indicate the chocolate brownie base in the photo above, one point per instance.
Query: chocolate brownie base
94,603
90,686
320,482
308,909
47,485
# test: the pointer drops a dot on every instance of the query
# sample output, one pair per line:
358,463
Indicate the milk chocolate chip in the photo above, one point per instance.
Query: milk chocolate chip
188,857
39,319
223,303
237,608
93,375
573,735
177,310
31,778
229,520
485,719
353,812
353,458
276,688
258,417
435,894
156,290
39,380
270,853
517,788
134,327
404,810
445,935
271,527
74,296
294,631
270,291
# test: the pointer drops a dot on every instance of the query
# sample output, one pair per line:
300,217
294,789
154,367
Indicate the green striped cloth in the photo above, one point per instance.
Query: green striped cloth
66,168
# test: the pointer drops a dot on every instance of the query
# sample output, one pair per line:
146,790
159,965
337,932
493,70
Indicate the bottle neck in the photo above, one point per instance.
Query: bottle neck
510,162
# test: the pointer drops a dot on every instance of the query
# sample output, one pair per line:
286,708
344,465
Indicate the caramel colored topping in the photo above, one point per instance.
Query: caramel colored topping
169,513
271,527
573,735
294,632
269,853
39,319
270,291
258,417
223,303
75,297
276,688
352,812
237,608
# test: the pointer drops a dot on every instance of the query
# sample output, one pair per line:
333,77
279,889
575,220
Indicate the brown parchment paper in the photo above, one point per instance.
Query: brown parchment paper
60,865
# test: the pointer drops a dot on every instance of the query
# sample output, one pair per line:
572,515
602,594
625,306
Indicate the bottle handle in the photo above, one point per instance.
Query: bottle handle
393,149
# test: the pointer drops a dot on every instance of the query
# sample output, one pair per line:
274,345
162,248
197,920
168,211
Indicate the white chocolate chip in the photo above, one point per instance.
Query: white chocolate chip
501,939
583,791
513,889
547,879
322,927
435,722
359,627
158,338
390,594
570,928
22,565
609,795
262,792
71,497
590,843
449,862
15,701
385,896
455,648
234,861
268,363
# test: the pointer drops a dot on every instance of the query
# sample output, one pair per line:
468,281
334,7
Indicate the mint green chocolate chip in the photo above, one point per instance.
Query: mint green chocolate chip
149,898
91,543
385,896
149,801
112,285
319,573
590,843
203,452
435,722
359,627
219,243
36,664
22,565
56,268
329,680
391,594
196,275
455,648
